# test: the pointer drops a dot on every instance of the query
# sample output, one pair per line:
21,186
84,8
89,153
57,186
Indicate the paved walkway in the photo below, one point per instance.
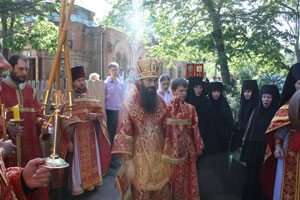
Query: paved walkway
104,192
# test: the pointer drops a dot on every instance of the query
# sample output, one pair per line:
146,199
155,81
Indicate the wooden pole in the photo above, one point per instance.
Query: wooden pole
3,121
61,24
57,55
67,67
18,142
59,47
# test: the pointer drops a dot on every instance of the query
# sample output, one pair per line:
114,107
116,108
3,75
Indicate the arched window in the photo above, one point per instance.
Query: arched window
118,58
171,71
123,61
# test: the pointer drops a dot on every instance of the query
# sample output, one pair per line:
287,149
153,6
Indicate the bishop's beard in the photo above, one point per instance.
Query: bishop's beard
149,98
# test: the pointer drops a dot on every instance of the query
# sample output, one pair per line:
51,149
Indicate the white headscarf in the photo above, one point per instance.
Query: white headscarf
165,95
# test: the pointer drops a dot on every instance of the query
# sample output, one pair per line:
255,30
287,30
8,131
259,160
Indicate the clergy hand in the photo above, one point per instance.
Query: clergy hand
92,116
6,147
34,175
48,130
130,170
278,153
71,147
13,130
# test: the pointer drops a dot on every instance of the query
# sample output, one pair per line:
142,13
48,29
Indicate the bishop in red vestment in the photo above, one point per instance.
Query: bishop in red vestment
140,138
183,143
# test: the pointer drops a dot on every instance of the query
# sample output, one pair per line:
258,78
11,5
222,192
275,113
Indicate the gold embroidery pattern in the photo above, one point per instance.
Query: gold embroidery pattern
290,186
180,122
161,110
137,112
123,136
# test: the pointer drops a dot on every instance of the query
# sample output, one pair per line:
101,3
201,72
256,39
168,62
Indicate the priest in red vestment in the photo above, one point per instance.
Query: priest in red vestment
84,138
140,138
183,143
280,173
14,91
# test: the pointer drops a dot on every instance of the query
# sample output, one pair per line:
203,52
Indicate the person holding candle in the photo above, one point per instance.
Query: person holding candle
14,91
21,102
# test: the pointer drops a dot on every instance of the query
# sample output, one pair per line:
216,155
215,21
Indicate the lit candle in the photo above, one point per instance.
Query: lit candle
16,111
3,121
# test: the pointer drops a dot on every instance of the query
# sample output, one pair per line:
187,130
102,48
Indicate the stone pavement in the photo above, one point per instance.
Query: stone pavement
103,192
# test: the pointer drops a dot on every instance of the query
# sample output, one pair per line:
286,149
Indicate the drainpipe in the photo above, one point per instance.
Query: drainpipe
101,53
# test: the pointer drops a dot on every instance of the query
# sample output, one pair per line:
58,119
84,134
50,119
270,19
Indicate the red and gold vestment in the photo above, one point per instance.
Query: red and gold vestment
183,144
24,96
10,183
85,139
140,139
290,188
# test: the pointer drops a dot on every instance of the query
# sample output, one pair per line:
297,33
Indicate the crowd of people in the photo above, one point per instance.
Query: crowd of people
169,139
198,154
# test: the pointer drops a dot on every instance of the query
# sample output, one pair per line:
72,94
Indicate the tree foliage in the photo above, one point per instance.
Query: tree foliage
238,36
25,22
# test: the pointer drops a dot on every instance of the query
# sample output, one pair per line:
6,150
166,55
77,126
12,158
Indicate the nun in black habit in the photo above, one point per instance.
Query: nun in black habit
209,183
247,105
224,119
254,141
248,102
225,127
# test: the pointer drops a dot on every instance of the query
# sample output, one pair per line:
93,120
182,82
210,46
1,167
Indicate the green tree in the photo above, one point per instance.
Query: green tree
25,22
224,31
288,19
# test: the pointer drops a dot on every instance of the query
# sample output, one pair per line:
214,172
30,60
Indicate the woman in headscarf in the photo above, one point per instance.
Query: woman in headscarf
248,102
209,183
225,127
254,141
164,89
224,117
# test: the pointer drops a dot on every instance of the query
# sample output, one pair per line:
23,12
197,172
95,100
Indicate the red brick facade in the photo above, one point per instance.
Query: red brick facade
94,48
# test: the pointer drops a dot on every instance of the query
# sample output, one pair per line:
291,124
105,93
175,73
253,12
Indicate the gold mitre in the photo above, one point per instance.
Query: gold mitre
148,68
